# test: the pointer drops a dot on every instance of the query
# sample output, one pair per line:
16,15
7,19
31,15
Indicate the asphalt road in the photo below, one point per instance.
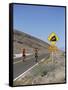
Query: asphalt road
20,67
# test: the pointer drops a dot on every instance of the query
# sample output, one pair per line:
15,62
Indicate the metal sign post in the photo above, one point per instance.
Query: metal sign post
52,57
52,48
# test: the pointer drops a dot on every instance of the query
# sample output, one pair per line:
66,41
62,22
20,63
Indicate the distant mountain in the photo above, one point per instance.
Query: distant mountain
23,40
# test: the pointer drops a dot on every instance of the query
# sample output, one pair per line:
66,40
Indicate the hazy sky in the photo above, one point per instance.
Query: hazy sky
40,21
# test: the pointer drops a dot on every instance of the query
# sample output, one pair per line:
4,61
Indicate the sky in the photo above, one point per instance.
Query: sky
40,21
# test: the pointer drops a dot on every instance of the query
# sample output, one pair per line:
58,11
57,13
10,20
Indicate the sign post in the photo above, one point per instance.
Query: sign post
53,38
52,57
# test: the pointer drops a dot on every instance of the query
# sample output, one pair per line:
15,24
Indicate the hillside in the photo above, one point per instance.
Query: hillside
23,40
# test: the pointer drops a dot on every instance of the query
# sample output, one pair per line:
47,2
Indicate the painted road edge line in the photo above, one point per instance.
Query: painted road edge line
20,61
20,55
28,69
17,62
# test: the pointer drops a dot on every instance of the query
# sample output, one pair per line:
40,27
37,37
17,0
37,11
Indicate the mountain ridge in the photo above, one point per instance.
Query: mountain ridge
22,40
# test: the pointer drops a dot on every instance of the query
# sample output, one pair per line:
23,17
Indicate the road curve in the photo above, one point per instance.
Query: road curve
21,67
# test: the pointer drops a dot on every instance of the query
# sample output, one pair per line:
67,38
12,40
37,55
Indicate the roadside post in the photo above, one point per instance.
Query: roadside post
36,54
53,38
24,54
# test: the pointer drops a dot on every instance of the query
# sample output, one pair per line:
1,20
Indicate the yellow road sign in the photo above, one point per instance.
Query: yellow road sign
53,38
52,48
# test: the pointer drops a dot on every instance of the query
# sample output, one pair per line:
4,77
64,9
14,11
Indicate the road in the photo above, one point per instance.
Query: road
20,67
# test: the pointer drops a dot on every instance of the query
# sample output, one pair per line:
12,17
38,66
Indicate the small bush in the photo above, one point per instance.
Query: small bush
44,73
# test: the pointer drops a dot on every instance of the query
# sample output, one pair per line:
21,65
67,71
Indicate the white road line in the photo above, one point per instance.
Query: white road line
17,62
28,69
20,55
20,61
